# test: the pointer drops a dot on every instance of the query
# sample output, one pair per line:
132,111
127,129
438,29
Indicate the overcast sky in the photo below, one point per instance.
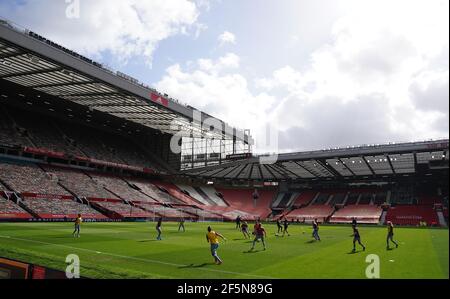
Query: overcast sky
326,73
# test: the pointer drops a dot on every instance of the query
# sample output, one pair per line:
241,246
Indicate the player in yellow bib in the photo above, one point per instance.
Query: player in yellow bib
213,238
78,221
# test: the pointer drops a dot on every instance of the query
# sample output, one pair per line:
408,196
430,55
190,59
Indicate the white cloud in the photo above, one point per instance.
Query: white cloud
125,28
374,82
398,62
226,38
216,87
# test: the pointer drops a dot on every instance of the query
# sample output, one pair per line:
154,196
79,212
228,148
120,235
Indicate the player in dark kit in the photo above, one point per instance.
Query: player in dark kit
279,226
315,233
181,225
285,227
238,222
158,228
357,238
390,236
244,229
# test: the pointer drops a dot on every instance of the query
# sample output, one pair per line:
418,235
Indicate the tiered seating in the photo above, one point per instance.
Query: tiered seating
151,191
9,210
304,198
8,132
197,212
364,213
412,215
3,187
44,134
402,197
194,194
79,183
337,198
428,200
177,194
164,211
30,178
380,198
60,208
242,200
365,199
119,187
309,213
352,198
283,199
124,210
211,193
162,196
106,147
322,198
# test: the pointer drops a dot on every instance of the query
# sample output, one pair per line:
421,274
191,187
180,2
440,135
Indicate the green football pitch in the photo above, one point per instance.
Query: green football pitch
129,250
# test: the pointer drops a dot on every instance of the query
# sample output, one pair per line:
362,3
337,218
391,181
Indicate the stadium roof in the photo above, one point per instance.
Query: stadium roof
347,163
32,61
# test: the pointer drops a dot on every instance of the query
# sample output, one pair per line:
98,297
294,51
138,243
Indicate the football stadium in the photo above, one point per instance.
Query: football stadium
98,168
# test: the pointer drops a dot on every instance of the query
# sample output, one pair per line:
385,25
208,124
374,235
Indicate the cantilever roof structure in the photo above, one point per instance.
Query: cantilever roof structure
32,61
387,160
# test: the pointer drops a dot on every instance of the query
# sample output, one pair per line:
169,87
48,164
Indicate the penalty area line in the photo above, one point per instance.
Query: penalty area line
136,258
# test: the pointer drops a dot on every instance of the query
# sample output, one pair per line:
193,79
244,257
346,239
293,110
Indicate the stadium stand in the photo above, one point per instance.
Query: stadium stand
284,200
338,198
119,187
412,215
59,208
162,191
10,210
365,199
191,191
9,131
309,213
242,200
380,198
352,198
79,182
30,178
120,209
304,198
322,198
175,194
363,213
164,211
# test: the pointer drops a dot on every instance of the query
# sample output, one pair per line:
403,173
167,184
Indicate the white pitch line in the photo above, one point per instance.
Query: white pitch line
135,258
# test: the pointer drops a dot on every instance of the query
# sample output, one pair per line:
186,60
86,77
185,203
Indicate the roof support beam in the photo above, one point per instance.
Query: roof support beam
62,84
251,171
11,55
333,171
345,165
29,73
275,169
390,163
277,166
305,169
367,164
93,94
